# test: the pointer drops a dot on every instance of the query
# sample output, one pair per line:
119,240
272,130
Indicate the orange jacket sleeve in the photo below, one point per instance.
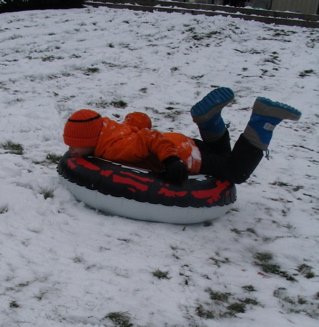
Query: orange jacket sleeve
126,144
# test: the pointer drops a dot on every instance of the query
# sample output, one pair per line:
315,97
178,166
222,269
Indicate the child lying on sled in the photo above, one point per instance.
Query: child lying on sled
175,155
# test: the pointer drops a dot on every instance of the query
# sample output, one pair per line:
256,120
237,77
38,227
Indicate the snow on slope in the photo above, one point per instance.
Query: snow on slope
63,264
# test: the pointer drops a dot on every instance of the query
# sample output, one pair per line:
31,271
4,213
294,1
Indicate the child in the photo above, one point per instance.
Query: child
175,155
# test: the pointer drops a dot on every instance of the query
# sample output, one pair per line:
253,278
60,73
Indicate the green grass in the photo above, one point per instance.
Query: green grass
51,58
91,70
306,72
306,271
225,305
237,307
203,36
204,313
120,319
143,90
306,305
265,261
160,274
119,104
99,104
47,193
4,209
14,304
13,148
53,158
218,296
249,288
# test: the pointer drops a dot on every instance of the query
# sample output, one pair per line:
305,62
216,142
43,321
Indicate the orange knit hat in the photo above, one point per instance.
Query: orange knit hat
82,130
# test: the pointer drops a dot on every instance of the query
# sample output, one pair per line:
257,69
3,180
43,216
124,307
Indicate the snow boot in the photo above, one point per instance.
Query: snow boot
207,113
266,115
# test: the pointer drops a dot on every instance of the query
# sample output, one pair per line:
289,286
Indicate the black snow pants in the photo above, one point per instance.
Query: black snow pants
218,160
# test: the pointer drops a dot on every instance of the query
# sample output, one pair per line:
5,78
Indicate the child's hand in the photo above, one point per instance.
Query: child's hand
176,170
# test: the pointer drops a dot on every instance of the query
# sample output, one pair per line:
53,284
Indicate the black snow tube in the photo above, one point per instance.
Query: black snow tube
140,194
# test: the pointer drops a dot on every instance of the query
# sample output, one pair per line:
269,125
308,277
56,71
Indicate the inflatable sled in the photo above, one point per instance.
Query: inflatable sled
139,194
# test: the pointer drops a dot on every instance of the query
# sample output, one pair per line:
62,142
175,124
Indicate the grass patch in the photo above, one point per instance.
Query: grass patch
283,184
47,193
78,259
160,274
306,72
265,261
297,304
75,56
14,304
104,104
51,58
237,307
270,268
13,148
40,295
250,301
218,296
4,209
204,313
306,271
197,77
53,158
279,183
219,262
249,288
91,70
240,232
119,104
120,319
274,59
99,104
199,37
143,90
224,305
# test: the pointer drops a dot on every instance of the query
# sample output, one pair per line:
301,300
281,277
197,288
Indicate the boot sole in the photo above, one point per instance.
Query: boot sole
211,104
269,108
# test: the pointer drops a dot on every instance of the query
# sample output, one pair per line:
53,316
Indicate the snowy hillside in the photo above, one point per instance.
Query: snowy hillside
64,264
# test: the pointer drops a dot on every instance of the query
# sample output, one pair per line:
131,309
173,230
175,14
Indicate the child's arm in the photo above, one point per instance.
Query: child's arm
134,147
120,144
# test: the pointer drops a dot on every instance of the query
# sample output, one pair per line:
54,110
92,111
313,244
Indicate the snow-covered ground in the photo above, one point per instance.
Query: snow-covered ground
64,264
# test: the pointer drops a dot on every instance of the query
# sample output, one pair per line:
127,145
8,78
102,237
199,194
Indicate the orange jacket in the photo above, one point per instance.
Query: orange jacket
132,143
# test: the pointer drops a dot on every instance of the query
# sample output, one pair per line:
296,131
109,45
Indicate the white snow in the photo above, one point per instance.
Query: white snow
64,264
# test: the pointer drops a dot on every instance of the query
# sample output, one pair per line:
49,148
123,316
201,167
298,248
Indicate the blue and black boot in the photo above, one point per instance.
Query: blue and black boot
266,115
207,113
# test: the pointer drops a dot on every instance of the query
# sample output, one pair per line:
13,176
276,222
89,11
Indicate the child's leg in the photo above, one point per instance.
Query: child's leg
220,147
207,114
236,167
265,117
248,150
